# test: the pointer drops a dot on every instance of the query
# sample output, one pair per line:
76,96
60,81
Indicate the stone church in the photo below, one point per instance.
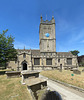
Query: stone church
46,57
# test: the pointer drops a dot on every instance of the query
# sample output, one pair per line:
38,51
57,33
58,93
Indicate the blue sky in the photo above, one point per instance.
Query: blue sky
22,19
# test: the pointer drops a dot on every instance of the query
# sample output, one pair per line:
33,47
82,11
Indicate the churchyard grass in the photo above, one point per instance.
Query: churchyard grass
81,68
12,89
65,76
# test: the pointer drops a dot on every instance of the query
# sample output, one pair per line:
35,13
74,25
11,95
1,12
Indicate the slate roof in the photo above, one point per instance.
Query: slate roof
35,52
64,54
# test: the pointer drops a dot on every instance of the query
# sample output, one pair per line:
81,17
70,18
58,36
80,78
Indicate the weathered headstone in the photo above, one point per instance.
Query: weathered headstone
13,74
33,82
60,68
29,75
76,71
35,85
83,70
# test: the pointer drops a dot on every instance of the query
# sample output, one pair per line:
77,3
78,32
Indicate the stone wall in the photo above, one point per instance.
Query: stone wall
47,27
12,65
30,66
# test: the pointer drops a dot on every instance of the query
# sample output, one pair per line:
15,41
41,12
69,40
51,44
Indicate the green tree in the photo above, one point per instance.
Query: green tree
7,51
75,52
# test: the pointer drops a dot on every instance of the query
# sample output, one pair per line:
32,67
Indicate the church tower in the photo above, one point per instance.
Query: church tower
47,35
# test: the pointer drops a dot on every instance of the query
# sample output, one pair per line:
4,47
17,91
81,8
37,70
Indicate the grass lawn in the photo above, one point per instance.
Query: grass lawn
81,68
12,89
65,76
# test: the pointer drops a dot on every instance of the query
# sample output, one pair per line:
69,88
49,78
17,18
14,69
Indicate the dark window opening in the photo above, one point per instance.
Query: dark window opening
36,61
49,61
24,66
69,61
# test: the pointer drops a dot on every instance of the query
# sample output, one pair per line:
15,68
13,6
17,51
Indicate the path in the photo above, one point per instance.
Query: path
66,92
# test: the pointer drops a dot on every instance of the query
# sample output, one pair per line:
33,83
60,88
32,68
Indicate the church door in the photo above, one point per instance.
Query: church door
24,66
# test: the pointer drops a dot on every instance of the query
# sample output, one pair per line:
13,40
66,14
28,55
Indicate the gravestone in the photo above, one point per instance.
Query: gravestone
60,68
33,82
83,70
13,74
26,75
36,84
76,71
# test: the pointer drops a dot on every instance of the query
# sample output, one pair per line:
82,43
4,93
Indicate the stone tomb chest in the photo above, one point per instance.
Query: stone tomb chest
35,85
13,74
76,71
26,75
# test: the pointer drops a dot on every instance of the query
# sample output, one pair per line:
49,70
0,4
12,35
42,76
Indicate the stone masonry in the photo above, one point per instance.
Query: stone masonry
46,57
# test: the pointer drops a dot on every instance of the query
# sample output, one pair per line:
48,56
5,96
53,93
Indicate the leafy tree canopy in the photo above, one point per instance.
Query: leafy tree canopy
75,52
7,51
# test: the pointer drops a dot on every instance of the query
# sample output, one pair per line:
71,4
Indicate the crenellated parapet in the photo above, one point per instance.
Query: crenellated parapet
52,21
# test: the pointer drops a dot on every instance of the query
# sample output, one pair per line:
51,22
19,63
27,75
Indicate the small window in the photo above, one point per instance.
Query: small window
69,61
24,55
49,61
36,61
58,60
